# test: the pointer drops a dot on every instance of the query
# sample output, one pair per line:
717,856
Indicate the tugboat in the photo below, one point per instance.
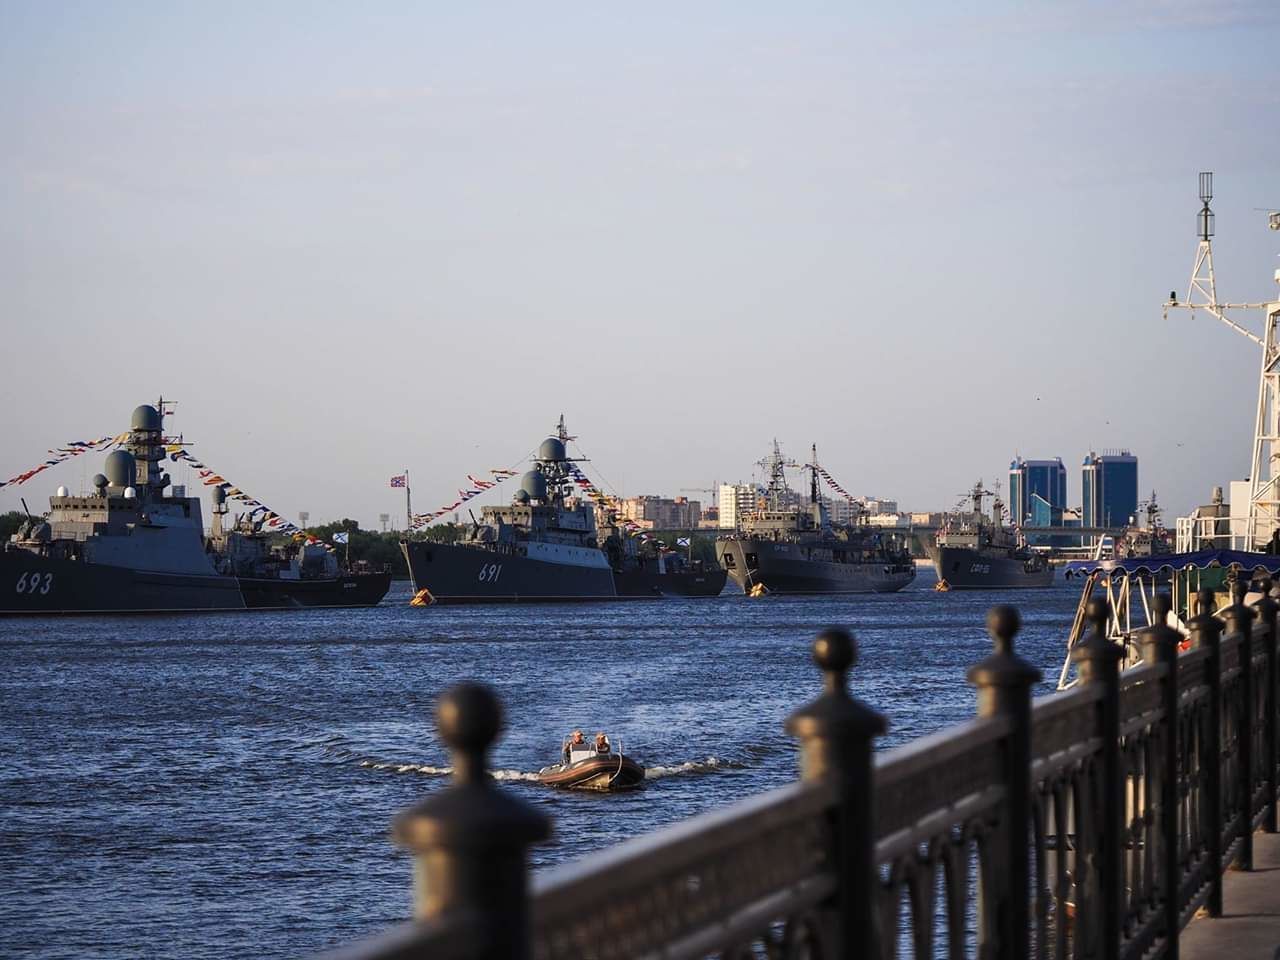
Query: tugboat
137,545
974,552
545,546
789,548
593,766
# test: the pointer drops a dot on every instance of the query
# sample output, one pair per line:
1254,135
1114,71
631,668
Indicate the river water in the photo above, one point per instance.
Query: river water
222,786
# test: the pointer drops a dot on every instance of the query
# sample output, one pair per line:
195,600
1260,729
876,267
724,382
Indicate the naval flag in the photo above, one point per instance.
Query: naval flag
400,481
682,541
341,537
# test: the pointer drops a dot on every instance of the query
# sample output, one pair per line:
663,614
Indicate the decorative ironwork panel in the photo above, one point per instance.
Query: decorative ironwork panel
768,868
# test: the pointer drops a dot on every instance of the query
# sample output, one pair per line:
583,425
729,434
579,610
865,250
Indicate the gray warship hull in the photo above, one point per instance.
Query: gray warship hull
463,574
42,585
964,568
677,583
783,567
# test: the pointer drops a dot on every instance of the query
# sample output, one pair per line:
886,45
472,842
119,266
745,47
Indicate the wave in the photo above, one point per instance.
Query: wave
429,770
709,765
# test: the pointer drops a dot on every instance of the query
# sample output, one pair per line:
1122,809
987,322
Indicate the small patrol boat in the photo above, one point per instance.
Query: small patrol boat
587,768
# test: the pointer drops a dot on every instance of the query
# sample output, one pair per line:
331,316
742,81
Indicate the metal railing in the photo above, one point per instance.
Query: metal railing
1090,823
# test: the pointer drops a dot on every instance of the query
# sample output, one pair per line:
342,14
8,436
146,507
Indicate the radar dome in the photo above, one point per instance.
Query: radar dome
62,492
121,468
552,449
534,484
145,417
99,481
521,497
130,493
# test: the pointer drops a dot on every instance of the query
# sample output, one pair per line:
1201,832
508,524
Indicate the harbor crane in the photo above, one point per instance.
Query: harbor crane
1202,294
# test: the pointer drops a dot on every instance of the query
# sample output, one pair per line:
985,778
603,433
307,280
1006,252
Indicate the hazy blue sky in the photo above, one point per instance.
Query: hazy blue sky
353,238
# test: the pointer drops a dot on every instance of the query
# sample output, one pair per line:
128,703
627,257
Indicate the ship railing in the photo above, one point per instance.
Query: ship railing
1091,822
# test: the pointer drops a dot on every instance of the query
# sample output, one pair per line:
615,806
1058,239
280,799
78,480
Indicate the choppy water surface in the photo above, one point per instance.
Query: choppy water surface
222,785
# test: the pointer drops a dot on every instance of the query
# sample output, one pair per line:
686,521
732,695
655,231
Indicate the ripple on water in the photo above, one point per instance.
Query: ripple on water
223,785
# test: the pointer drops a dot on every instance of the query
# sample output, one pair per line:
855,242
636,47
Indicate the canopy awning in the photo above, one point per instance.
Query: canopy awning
1199,560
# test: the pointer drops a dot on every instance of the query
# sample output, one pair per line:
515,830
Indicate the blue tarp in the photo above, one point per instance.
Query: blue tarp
1179,561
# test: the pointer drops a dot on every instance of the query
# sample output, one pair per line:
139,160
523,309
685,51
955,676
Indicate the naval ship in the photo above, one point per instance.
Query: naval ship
545,546
786,547
975,552
137,544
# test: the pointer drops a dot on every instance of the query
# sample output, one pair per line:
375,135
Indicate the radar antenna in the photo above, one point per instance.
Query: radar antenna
1264,499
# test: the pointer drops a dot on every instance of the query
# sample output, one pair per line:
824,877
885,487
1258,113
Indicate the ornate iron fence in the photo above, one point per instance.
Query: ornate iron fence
1089,823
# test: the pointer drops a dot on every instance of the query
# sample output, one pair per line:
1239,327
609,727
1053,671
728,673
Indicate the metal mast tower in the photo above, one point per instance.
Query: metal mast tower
1264,475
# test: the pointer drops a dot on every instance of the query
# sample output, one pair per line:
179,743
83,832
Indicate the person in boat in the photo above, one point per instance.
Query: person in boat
575,741
602,743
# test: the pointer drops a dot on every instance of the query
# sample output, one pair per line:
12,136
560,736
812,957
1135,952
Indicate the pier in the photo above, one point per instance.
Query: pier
1095,822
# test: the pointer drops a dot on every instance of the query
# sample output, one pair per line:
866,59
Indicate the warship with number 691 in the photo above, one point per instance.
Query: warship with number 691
137,545
784,547
545,546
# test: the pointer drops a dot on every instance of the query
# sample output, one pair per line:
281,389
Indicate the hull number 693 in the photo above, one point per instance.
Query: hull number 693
34,583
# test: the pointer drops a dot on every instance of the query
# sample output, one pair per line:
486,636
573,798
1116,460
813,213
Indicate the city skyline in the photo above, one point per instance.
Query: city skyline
350,244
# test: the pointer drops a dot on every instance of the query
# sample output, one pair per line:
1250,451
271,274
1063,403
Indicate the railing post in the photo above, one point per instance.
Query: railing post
1160,646
1098,662
1267,608
1206,633
1004,681
471,840
836,734
1239,619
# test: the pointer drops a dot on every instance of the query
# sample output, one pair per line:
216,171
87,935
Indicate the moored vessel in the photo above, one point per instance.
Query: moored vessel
546,546
972,551
137,544
786,547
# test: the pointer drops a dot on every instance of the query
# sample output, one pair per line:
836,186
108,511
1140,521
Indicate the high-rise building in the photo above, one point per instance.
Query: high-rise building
1046,479
1109,489
736,501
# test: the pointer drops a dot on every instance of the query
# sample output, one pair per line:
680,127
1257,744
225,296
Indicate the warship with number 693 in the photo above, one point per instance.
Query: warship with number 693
137,544
545,546
972,551
785,547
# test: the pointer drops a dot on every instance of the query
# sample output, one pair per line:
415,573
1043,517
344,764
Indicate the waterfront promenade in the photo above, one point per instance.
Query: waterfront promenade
1250,923
1094,822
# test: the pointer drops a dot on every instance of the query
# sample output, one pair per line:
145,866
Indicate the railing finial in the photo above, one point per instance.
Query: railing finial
469,718
836,734
835,651
1004,668
1097,657
1003,623
471,838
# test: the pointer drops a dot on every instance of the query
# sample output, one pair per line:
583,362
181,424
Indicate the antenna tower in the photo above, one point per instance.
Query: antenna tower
1264,475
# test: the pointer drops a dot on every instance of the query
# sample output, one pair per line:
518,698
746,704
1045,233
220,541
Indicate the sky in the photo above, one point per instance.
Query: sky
352,239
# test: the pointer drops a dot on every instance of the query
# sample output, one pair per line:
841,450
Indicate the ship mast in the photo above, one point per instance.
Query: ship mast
813,474
1202,294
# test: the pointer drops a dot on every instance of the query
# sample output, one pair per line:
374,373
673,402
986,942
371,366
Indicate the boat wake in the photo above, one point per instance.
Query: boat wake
430,771
708,765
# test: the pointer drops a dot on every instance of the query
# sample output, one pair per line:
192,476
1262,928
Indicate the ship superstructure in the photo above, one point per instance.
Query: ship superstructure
787,545
974,551
137,544
545,546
